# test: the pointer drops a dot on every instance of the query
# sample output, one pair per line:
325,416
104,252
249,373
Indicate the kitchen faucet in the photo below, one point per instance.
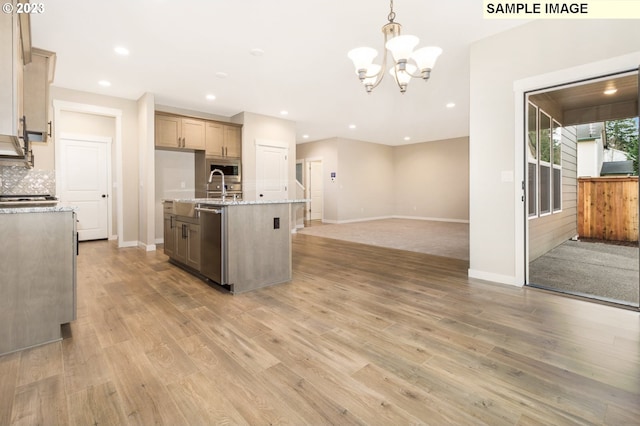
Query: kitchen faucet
224,188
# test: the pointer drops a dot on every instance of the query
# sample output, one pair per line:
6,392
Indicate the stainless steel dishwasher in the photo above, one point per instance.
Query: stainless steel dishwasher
212,244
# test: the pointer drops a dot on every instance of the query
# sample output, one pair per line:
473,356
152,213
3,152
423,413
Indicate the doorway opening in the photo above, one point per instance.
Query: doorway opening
315,193
581,195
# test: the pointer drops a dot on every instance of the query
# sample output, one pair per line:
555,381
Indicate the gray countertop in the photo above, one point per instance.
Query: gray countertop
228,202
34,209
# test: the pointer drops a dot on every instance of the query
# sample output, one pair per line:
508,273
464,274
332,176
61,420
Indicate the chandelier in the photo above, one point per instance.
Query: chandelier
401,48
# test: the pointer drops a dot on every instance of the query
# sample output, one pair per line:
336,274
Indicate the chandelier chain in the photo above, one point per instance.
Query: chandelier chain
392,14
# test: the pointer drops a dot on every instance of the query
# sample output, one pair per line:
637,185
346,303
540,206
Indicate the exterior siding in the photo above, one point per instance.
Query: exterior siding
549,231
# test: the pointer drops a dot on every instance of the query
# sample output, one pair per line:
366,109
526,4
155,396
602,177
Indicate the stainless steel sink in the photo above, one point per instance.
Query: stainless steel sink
184,208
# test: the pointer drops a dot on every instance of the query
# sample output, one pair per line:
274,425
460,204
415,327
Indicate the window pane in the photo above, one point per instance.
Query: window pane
545,189
557,189
545,137
531,189
557,144
532,132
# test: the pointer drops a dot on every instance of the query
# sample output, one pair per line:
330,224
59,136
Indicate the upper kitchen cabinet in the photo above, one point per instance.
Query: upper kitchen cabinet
178,132
15,52
38,76
223,140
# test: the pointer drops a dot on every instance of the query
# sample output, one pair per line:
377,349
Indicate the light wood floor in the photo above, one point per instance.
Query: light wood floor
362,335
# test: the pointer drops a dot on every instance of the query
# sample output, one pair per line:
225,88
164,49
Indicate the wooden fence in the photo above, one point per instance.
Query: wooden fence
608,208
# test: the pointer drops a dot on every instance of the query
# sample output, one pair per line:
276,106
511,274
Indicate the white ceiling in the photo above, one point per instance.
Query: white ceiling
178,46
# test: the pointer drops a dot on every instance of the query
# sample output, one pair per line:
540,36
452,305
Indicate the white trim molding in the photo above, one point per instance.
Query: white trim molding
58,107
496,278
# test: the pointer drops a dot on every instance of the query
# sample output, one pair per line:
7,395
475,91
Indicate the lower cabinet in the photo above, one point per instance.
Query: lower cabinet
186,247
169,234
37,276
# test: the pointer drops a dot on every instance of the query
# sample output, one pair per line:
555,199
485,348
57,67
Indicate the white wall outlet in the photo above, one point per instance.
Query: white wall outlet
183,185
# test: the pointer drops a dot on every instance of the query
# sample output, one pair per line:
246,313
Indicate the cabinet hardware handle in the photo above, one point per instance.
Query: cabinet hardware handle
49,134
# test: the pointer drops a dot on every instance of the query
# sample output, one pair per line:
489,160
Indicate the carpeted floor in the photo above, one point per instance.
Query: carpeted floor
605,271
448,239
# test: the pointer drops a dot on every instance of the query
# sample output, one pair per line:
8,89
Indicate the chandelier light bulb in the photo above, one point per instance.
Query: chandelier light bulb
402,46
362,57
426,57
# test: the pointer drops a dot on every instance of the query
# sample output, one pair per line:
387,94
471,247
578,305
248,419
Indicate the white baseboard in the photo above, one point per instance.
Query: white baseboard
147,247
128,244
497,278
366,219
435,219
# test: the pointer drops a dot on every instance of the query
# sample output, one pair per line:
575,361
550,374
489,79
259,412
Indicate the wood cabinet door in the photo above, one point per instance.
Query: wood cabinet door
214,139
181,243
38,75
168,131
193,249
169,234
232,141
192,133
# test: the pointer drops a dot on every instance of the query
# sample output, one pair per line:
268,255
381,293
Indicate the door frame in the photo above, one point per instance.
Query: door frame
590,71
60,106
308,162
90,139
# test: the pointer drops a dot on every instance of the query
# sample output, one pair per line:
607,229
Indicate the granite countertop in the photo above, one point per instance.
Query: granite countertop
51,209
230,202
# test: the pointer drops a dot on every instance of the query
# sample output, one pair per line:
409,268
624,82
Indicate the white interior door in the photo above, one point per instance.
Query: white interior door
315,190
271,171
85,184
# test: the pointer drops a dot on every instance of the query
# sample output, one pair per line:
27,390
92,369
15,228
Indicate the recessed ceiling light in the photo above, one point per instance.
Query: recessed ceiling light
211,97
284,112
121,50
610,91
407,138
352,126
305,136
450,105
257,52
104,83
221,74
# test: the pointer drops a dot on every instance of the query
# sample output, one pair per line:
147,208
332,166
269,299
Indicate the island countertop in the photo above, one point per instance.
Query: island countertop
230,202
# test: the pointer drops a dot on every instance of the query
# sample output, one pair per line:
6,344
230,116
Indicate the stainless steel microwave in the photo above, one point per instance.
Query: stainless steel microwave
232,169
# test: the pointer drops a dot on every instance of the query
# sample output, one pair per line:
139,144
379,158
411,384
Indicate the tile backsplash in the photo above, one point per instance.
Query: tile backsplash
16,180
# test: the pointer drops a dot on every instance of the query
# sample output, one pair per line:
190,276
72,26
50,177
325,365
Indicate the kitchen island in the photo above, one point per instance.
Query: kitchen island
37,275
240,245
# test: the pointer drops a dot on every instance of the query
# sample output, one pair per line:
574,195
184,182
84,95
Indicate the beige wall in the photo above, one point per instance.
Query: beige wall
146,201
130,149
261,127
365,180
174,178
425,180
327,151
431,180
500,65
